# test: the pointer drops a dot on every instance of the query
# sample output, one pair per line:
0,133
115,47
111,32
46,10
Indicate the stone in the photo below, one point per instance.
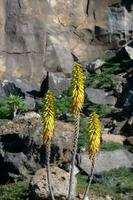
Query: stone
118,126
129,141
21,146
96,65
129,100
126,52
106,161
17,88
108,197
129,51
17,167
107,138
9,87
62,142
60,182
58,82
100,96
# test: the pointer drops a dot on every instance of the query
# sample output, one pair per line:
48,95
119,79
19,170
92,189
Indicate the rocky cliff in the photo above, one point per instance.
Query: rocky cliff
40,36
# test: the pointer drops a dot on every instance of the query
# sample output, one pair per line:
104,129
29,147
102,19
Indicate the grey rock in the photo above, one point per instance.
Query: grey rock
126,52
129,100
120,21
58,82
96,65
118,126
18,88
106,160
17,165
21,144
9,87
129,141
2,91
129,51
60,183
62,51
100,96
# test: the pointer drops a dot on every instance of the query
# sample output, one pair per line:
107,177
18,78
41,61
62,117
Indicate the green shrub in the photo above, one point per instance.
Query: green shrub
17,102
16,191
11,106
63,104
106,79
5,110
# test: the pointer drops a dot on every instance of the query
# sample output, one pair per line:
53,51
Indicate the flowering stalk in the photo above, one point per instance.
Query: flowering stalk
77,103
48,131
94,129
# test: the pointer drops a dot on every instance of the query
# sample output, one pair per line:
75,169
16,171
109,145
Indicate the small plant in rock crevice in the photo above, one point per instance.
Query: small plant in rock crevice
11,106
17,104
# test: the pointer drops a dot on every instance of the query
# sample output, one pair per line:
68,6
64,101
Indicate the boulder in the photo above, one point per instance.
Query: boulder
60,183
100,96
58,82
62,142
21,146
106,160
107,138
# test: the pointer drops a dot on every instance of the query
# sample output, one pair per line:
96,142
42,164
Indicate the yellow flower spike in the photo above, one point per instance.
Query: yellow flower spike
48,116
77,88
94,135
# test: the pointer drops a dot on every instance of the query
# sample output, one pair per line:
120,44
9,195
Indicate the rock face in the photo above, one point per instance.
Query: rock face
60,183
40,36
106,160
21,147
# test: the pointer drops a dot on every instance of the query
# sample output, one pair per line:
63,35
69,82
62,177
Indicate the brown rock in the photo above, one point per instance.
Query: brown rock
22,146
60,182
107,138
62,141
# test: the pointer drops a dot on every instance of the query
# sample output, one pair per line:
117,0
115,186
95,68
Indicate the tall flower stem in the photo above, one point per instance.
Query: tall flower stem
48,152
91,178
76,136
48,117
